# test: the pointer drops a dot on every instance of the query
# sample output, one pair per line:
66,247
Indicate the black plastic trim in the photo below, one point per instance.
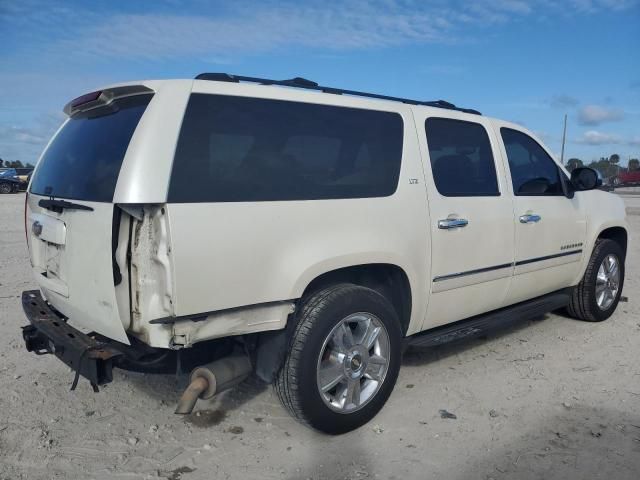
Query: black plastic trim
199,317
486,322
56,205
115,233
299,82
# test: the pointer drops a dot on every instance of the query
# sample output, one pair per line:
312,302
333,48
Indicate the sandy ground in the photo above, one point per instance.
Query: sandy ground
631,197
553,399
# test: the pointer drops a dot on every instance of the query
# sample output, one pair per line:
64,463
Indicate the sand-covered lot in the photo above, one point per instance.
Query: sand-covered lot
552,399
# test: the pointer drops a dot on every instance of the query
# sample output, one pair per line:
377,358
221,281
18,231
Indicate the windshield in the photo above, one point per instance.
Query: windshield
7,173
83,161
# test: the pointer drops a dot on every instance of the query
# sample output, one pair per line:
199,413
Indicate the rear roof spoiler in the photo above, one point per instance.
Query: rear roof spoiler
102,98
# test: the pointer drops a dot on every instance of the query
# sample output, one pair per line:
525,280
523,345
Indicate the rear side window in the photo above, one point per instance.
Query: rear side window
533,171
241,149
461,158
83,161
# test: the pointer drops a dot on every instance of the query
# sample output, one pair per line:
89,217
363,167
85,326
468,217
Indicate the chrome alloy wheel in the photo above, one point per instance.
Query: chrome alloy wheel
353,362
607,281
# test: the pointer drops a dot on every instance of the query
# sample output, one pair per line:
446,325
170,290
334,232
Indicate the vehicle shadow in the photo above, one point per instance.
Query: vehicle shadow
342,457
418,356
578,442
167,389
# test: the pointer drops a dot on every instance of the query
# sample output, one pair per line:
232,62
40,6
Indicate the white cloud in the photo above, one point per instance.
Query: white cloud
635,141
20,134
545,136
596,5
224,30
27,142
563,101
51,39
595,115
593,137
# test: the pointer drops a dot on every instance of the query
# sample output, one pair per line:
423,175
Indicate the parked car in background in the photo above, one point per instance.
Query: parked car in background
24,175
608,183
9,180
21,174
631,177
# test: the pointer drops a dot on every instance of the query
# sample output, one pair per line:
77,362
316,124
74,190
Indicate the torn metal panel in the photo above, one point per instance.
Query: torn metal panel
151,273
235,322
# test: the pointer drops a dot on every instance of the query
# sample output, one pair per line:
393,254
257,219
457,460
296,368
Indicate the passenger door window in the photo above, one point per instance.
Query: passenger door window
533,171
461,158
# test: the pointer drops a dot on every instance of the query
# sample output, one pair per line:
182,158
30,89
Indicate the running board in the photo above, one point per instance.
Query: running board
495,320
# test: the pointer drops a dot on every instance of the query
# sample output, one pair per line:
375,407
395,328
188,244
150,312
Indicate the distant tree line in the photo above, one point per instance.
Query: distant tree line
15,164
608,167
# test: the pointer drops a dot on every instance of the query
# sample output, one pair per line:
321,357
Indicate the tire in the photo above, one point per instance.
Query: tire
584,299
318,321
6,188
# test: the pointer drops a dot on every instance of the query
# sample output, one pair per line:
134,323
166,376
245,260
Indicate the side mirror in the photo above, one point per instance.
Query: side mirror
585,178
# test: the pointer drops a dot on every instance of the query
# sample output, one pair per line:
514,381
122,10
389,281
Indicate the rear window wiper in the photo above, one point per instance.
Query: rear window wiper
59,205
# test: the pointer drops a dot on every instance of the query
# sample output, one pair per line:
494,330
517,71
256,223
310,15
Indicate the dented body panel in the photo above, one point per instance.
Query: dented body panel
240,321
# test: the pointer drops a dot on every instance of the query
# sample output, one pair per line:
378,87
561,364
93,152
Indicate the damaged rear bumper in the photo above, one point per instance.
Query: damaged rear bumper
49,332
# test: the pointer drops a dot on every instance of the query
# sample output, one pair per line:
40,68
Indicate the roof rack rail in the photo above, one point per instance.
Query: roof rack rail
299,82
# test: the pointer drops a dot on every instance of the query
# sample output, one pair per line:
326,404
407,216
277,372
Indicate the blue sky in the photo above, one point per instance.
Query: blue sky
525,61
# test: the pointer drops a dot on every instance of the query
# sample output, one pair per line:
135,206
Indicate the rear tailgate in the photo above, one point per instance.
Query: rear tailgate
70,211
71,254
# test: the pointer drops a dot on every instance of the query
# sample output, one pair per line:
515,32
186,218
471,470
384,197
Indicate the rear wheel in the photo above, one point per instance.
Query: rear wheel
596,296
343,359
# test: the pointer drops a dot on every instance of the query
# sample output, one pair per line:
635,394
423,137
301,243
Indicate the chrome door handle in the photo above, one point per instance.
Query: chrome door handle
530,218
449,223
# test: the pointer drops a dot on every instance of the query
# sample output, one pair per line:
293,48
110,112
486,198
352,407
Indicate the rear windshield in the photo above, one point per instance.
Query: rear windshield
239,149
83,161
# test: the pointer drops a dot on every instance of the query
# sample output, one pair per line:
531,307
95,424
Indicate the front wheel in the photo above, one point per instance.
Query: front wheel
597,295
343,359
6,187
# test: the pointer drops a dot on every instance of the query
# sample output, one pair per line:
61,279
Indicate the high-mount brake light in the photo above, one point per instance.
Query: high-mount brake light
104,97
89,97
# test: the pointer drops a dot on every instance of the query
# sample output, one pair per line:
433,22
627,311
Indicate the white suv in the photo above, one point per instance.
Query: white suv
306,233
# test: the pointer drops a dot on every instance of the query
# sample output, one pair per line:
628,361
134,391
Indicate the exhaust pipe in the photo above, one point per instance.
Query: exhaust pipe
207,380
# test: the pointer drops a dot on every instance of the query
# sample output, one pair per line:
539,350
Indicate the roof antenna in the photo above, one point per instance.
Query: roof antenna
564,137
